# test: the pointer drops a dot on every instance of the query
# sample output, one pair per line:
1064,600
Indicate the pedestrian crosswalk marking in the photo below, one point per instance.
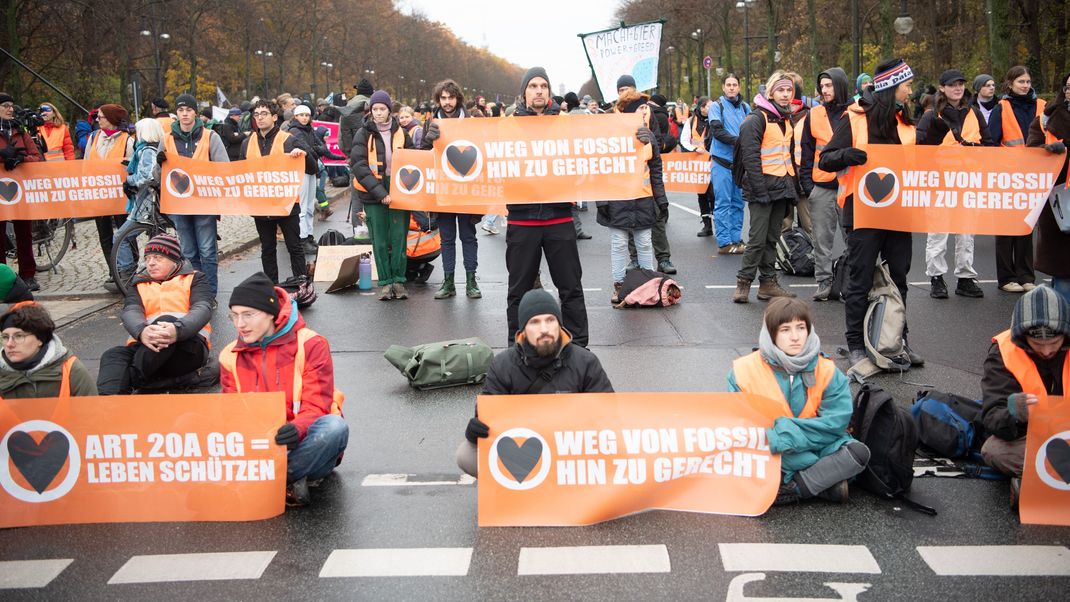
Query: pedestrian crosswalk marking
211,566
793,557
589,560
16,574
397,562
413,480
1002,561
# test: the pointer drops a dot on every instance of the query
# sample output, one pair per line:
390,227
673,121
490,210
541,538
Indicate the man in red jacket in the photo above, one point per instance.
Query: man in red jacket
273,338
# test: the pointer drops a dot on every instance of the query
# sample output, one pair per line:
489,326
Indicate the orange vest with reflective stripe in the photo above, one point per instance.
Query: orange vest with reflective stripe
165,123
860,139
1020,365
253,150
1012,133
755,375
776,149
200,153
398,142
697,139
117,150
169,298
54,141
971,131
821,130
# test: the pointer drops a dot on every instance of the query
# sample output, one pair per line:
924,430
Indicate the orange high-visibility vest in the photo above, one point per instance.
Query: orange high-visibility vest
166,122
1024,370
397,141
776,149
860,139
682,113
697,139
821,130
117,150
201,151
253,150
54,141
1049,138
971,131
755,375
65,378
169,298
1012,133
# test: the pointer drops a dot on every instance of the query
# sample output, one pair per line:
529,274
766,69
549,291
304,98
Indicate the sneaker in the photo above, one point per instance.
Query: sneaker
297,494
1016,491
788,494
726,250
666,267
1012,287
399,291
937,288
738,248
837,494
824,289
581,235
489,229
855,356
967,287
387,293
325,213
31,283
615,299
1028,286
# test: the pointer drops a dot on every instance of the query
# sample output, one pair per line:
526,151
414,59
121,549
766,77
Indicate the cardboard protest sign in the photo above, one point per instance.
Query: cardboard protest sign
584,458
686,172
1045,495
413,181
265,186
58,189
565,158
332,142
957,189
141,458
331,258
631,50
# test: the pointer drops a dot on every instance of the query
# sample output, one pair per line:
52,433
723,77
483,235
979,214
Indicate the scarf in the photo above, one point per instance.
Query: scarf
802,364
29,363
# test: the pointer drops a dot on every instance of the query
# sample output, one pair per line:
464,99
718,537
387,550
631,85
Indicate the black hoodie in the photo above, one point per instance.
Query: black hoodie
841,99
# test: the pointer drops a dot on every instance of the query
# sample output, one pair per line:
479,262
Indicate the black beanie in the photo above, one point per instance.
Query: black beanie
625,80
537,302
365,88
258,292
572,100
532,74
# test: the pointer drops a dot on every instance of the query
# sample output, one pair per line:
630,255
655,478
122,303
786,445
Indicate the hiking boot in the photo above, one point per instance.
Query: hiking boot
1028,286
855,356
937,288
297,494
726,250
837,494
967,287
742,293
824,289
326,212
666,267
447,289
787,495
770,288
424,273
1012,287
399,291
387,293
1016,491
32,284
615,299
581,235
707,228
471,288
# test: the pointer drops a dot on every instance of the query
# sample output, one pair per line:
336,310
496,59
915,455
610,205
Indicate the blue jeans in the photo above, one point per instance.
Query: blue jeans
307,196
728,210
124,261
619,255
197,235
317,454
449,225
1062,286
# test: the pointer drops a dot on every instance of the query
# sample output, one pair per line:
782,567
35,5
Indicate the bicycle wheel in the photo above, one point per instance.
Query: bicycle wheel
51,239
135,238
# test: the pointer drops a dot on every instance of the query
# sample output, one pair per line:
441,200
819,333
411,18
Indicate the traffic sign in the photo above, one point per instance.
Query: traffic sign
707,62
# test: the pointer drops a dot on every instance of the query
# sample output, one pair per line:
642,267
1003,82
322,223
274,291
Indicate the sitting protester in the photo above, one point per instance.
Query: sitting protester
34,363
1025,364
543,360
271,332
818,457
167,313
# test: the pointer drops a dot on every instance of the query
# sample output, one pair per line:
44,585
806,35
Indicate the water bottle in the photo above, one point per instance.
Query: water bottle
364,281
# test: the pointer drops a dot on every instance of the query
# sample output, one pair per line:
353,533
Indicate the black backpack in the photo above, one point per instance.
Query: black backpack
795,253
839,277
332,238
891,435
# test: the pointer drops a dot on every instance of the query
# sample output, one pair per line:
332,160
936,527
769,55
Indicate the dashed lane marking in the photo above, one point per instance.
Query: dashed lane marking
588,560
414,480
927,283
720,286
31,573
687,209
1002,561
211,566
807,558
398,562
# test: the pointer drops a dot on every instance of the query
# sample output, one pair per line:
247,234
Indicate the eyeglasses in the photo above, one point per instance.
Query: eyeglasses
245,316
18,337
1066,88
262,114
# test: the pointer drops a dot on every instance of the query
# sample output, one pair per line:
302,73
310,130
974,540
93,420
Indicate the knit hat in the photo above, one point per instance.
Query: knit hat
532,74
32,318
625,81
7,280
586,99
980,81
659,100
234,111
951,76
115,114
302,109
245,106
165,245
861,79
258,292
186,100
572,100
894,72
380,97
364,87
537,302
6,98
160,103
1041,313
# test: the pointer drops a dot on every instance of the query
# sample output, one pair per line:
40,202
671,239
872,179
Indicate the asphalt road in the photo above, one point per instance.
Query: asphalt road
373,537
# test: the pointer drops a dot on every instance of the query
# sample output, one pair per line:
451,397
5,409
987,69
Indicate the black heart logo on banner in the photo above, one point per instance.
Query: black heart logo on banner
39,462
879,186
1059,457
9,190
179,182
519,460
462,160
409,177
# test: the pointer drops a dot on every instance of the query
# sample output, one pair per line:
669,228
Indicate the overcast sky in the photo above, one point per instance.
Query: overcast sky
543,33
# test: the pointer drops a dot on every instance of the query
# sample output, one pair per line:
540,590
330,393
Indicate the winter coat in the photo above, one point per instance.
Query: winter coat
186,327
574,370
187,143
44,379
416,132
231,133
997,384
841,97
759,187
725,116
147,169
1025,111
358,160
637,214
20,139
932,131
541,212
351,120
82,130
268,366
1053,246
305,139
667,142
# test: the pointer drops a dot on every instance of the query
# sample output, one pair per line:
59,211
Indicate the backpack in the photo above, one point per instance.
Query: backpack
443,364
948,424
884,323
647,288
892,438
839,277
795,253
332,238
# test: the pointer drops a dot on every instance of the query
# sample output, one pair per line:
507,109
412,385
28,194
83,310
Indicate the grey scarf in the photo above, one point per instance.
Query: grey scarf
793,365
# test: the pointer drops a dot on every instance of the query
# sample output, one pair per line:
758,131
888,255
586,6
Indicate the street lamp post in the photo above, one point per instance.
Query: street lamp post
327,74
264,54
701,41
156,53
903,25
670,51
744,6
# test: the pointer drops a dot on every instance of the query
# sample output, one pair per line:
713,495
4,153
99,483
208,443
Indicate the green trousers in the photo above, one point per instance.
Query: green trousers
389,229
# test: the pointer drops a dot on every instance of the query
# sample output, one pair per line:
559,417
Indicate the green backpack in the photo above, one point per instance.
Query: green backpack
443,364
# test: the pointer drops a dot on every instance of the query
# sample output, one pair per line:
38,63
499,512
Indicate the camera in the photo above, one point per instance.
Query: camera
29,119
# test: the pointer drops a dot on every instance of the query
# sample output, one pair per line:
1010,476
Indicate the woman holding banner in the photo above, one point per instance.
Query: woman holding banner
1052,131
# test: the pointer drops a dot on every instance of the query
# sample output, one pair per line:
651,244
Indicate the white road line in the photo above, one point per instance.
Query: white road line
806,558
720,286
1003,561
591,290
31,573
412,480
209,566
398,562
814,285
927,283
687,209
582,560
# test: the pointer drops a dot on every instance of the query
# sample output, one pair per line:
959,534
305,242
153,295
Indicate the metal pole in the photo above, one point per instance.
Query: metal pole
264,57
856,35
707,82
44,81
746,49
156,51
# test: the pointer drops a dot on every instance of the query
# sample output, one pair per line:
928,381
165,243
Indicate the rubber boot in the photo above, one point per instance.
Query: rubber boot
470,287
447,289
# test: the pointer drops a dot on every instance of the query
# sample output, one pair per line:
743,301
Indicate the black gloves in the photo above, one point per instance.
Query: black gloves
161,156
644,134
12,157
432,132
1055,148
287,436
855,156
129,189
476,430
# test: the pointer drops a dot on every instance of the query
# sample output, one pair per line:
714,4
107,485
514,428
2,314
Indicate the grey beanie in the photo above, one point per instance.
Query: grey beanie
980,81
537,302
532,74
1041,313
625,80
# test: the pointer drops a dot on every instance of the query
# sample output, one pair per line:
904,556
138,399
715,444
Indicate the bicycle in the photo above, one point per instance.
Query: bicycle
146,220
52,238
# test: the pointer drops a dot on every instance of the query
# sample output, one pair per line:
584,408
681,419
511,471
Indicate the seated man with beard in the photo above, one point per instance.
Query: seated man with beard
542,361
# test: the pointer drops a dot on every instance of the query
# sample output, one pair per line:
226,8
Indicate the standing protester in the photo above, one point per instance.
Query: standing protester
369,159
879,117
1007,125
819,185
351,120
16,147
188,138
231,133
451,106
161,111
954,121
1052,131
142,173
111,141
56,134
696,129
984,86
766,138
800,210
299,127
725,116
412,126
542,229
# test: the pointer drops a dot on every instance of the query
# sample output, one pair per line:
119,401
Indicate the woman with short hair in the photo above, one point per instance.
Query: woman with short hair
34,362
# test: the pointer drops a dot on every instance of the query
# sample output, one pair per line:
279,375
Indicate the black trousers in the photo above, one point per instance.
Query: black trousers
291,236
524,249
1014,259
706,203
124,368
106,225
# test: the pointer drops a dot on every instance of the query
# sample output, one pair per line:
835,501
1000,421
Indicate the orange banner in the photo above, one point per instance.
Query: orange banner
686,172
1045,496
143,458
584,458
264,186
58,189
957,189
566,158
413,181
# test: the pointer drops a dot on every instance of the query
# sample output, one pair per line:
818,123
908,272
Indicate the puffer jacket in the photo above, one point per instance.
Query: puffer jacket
358,160
44,379
1053,246
637,214
574,370
306,141
268,365
190,325
540,212
759,187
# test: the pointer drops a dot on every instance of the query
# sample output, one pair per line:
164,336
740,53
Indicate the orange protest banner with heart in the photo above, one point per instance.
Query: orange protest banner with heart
1045,495
686,172
956,189
59,189
579,459
564,158
413,180
143,458
265,186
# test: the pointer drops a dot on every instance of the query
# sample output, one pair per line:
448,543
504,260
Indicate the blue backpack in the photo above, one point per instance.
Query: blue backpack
948,424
